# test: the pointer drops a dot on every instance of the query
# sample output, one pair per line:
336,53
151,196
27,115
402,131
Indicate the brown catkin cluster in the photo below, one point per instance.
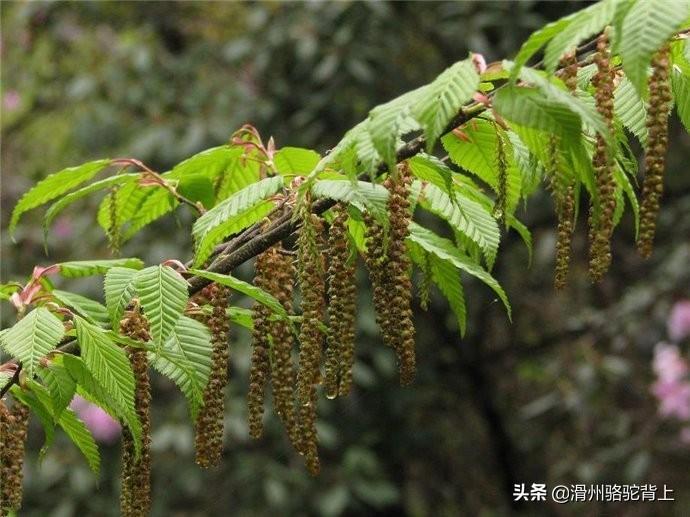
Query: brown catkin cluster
272,346
566,214
340,340
565,200
313,287
14,424
568,71
601,216
389,270
283,374
655,151
210,420
260,366
135,498
502,168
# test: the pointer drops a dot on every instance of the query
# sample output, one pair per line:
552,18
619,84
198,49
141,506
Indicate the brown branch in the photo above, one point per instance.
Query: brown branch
251,243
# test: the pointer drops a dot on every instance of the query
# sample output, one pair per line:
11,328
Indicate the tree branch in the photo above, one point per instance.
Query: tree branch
251,243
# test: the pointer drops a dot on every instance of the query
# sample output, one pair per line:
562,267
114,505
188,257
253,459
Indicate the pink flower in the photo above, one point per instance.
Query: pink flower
669,365
100,423
11,100
674,398
679,321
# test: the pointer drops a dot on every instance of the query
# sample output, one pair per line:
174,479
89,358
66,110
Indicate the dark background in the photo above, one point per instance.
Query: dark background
561,395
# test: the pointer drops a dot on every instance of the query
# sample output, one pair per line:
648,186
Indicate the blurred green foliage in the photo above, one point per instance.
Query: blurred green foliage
559,396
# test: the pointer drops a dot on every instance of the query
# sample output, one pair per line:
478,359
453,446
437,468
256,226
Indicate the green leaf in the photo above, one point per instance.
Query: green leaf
241,316
197,188
529,108
90,389
7,290
524,234
529,170
432,170
366,196
209,163
630,109
583,24
466,216
76,269
368,158
127,198
536,41
446,250
54,186
295,160
155,203
245,288
60,385
234,214
553,91
67,200
622,8
43,412
478,156
81,437
136,206
86,307
238,174
186,360
119,291
646,27
107,362
163,295
680,85
68,421
386,123
447,279
32,337
623,183
443,98
5,378
356,229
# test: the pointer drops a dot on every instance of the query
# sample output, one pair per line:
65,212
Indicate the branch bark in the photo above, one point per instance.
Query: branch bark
250,243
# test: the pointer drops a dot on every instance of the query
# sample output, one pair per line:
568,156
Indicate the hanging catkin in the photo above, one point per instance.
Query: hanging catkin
399,267
655,150
259,369
209,422
312,285
340,340
14,424
283,374
603,207
389,271
564,197
135,498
